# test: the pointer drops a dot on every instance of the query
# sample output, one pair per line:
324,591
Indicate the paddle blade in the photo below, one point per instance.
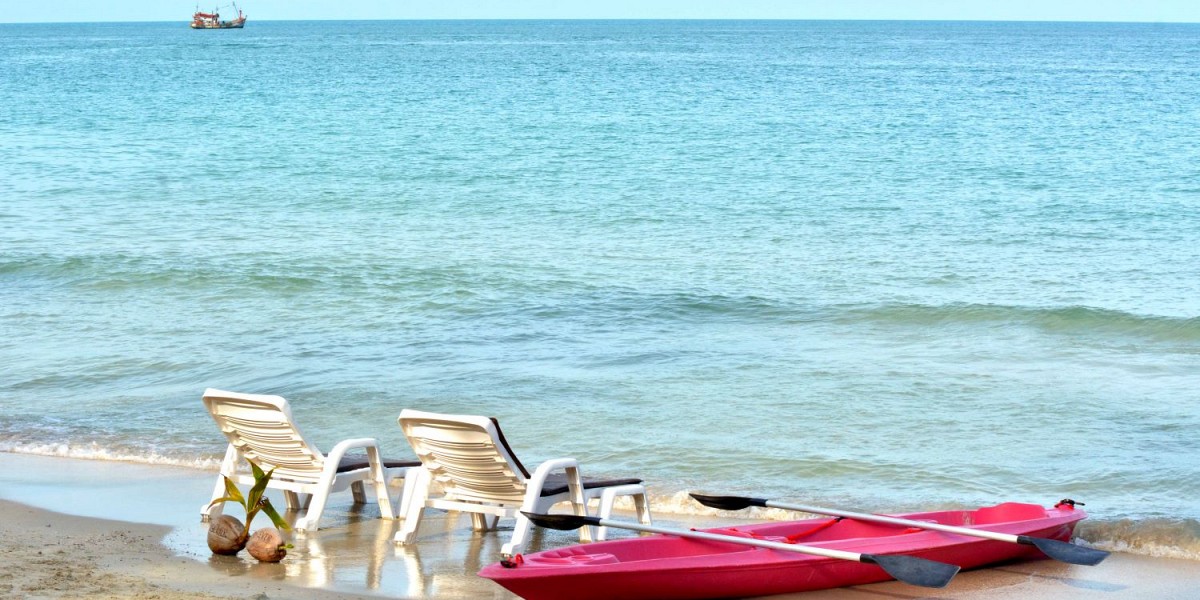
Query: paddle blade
564,522
913,570
727,502
1065,551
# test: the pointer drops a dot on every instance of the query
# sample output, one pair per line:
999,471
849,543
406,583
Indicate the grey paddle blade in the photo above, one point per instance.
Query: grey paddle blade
560,521
1065,551
727,502
913,570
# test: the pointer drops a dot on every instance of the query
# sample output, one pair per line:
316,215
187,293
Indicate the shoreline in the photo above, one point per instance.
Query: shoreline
78,529
55,555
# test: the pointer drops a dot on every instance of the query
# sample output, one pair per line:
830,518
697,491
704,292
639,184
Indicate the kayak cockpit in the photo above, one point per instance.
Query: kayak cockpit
655,548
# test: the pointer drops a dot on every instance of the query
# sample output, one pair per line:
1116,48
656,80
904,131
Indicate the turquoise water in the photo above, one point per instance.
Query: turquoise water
877,265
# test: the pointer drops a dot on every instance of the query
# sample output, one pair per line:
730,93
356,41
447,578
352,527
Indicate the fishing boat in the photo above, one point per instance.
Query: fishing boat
212,20
674,567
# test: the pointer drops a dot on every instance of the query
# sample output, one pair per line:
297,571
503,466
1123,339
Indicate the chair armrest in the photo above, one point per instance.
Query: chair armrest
343,446
374,459
569,465
574,488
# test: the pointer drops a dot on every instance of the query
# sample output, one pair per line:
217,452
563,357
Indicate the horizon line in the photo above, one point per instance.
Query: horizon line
502,19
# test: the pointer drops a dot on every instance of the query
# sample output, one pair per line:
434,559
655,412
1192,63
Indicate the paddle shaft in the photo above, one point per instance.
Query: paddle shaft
714,537
909,569
833,512
1056,549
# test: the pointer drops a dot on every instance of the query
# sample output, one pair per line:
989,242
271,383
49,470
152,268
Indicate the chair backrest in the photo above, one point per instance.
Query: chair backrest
261,428
467,455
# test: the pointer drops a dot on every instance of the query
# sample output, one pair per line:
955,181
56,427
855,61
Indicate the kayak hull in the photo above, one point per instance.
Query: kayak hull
662,567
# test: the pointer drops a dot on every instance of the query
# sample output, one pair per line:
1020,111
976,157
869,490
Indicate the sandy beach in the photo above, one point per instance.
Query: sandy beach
99,529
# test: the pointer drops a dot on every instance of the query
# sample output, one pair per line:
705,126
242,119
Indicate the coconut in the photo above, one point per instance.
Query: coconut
267,545
225,535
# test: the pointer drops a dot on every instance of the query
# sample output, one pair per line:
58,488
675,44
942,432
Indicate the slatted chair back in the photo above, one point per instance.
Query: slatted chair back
467,455
261,428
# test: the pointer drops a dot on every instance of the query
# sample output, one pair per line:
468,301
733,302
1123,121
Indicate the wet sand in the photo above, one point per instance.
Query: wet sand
97,529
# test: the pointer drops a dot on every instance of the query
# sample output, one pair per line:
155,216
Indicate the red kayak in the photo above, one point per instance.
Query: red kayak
667,567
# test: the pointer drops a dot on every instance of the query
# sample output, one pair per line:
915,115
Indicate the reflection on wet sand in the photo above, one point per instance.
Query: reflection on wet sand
354,552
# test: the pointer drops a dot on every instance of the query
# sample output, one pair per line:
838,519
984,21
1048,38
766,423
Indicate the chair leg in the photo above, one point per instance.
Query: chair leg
479,522
211,511
291,500
296,500
316,505
410,479
608,498
642,504
228,468
379,480
579,503
360,494
382,483
533,503
417,492
520,532
408,529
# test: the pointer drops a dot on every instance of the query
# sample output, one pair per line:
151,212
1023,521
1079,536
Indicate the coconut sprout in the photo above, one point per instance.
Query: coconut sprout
230,538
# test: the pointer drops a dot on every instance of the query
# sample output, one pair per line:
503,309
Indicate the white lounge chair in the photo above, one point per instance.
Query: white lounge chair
478,473
260,429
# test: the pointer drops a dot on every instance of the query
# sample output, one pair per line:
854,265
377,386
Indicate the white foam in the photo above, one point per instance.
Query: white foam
94,451
1160,538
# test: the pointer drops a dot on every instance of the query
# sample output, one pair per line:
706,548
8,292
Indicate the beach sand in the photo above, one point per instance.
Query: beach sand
102,529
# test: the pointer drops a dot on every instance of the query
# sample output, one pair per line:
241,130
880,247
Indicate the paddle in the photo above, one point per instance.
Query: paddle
908,569
1064,551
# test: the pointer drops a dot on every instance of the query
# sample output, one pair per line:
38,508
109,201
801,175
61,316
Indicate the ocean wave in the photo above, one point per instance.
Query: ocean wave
117,272
1065,320
472,293
1060,320
95,451
1157,537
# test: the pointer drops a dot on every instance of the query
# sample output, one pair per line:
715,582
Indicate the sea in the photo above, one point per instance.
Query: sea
882,266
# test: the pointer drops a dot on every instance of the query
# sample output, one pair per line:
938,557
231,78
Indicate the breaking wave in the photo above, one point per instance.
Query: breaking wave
95,451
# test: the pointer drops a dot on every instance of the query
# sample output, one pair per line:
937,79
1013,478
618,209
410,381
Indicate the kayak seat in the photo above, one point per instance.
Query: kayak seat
572,560
1005,512
468,458
731,532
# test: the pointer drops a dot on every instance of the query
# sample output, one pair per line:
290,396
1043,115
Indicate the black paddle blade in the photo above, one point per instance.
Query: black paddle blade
727,502
1065,551
913,570
560,521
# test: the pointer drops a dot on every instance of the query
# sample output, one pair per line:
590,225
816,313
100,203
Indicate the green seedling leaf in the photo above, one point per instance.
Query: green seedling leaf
260,485
233,493
225,499
274,515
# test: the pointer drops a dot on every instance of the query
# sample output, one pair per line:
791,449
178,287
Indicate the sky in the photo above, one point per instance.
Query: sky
45,11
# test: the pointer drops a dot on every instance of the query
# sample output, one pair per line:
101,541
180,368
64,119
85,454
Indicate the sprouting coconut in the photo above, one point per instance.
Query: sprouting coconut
267,545
227,535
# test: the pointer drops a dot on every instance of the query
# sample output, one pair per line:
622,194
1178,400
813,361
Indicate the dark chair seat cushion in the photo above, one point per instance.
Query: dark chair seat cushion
354,463
556,483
